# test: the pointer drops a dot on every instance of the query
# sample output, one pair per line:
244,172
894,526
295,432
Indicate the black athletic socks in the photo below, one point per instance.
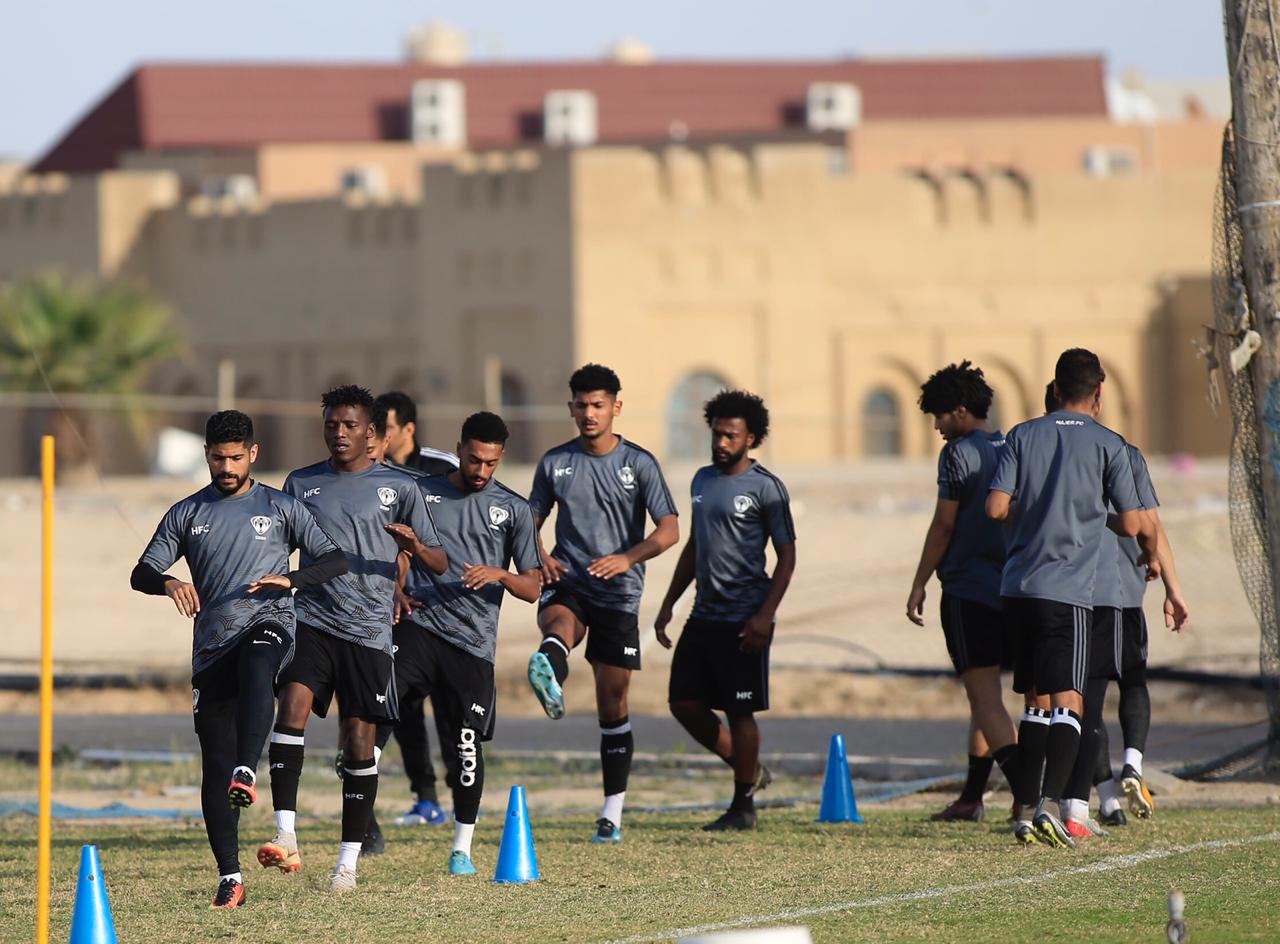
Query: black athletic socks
359,791
558,655
744,797
616,747
976,783
470,785
1007,759
285,757
1061,748
1033,733
1135,712
1081,779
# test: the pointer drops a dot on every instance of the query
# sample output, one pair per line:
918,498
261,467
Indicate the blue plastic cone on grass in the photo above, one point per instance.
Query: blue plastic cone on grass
517,862
838,802
91,923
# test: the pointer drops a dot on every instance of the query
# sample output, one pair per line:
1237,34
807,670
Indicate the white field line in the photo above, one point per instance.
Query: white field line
944,891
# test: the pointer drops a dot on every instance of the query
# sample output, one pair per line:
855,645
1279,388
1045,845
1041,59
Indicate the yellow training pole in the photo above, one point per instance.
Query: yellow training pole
44,843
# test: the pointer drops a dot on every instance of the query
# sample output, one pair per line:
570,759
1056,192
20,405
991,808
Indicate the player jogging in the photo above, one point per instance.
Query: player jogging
236,536
344,627
1058,474
446,642
722,659
601,486
966,549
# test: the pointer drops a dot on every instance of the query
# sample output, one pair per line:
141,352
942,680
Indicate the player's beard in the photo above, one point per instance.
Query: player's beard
230,486
729,460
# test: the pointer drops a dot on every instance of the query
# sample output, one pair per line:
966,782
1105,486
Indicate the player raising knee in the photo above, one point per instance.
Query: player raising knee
447,639
602,486
236,536
373,512
966,549
722,659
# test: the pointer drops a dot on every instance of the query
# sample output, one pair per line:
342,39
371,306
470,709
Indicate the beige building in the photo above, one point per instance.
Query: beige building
830,275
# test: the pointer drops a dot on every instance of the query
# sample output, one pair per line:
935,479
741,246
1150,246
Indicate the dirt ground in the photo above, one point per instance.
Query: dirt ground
859,534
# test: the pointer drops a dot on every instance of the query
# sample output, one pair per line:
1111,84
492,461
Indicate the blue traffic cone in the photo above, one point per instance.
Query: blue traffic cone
91,923
838,802
517,862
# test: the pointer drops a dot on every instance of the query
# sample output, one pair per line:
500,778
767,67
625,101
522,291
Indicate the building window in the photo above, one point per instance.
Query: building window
687,436
515,399
881,424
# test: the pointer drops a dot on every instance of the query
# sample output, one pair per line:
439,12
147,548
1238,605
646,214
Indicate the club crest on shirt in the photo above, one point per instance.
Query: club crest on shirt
387,496
497,516
628,476
741,505
261,524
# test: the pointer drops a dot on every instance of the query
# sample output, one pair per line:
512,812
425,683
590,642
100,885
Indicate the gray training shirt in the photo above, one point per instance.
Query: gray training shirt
228,544
972,565
734,517
602,502
1133,579
1061,470
353,508
491,527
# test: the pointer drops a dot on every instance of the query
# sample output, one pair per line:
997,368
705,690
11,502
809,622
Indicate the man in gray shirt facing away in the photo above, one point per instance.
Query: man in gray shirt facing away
373,512
602,487
236,536
722,659
1053,485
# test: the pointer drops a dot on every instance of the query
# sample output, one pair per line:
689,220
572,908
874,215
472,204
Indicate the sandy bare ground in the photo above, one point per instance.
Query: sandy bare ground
859,527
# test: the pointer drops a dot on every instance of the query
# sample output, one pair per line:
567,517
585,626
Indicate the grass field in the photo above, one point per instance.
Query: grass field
895,878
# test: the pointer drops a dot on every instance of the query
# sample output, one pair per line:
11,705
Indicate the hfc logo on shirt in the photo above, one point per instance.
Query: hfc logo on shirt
387,496
567,470
628,477
199,529
261,524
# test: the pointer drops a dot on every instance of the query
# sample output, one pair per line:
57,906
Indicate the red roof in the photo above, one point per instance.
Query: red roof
222,106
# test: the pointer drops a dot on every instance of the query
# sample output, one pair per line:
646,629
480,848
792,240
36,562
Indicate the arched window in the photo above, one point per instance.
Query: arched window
687,436
881,424
513,395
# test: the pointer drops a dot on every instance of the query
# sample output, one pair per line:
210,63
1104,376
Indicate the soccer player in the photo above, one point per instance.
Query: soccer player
1053,483
402,438
722,660
236,536
373,512
966,550
446,642
602,486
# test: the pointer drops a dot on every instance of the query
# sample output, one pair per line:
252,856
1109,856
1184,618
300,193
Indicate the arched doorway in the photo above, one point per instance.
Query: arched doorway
881,424
686,427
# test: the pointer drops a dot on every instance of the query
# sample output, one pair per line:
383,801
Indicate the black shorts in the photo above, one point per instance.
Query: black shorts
976,635
1104,645
709,666
362,678
1052,644
216,688
460,684
613,636
1133,648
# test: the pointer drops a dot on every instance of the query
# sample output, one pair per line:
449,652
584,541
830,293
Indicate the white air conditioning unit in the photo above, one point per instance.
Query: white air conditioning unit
438,113
242,188
369,180
833,106
569,117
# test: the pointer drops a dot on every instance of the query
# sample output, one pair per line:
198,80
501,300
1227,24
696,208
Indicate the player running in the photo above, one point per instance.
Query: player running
1054,482
236,536
722,659
602,486
402,438
447,639
966,550
344,628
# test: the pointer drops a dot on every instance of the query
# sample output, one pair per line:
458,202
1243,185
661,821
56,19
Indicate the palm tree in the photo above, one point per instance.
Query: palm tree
70,336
